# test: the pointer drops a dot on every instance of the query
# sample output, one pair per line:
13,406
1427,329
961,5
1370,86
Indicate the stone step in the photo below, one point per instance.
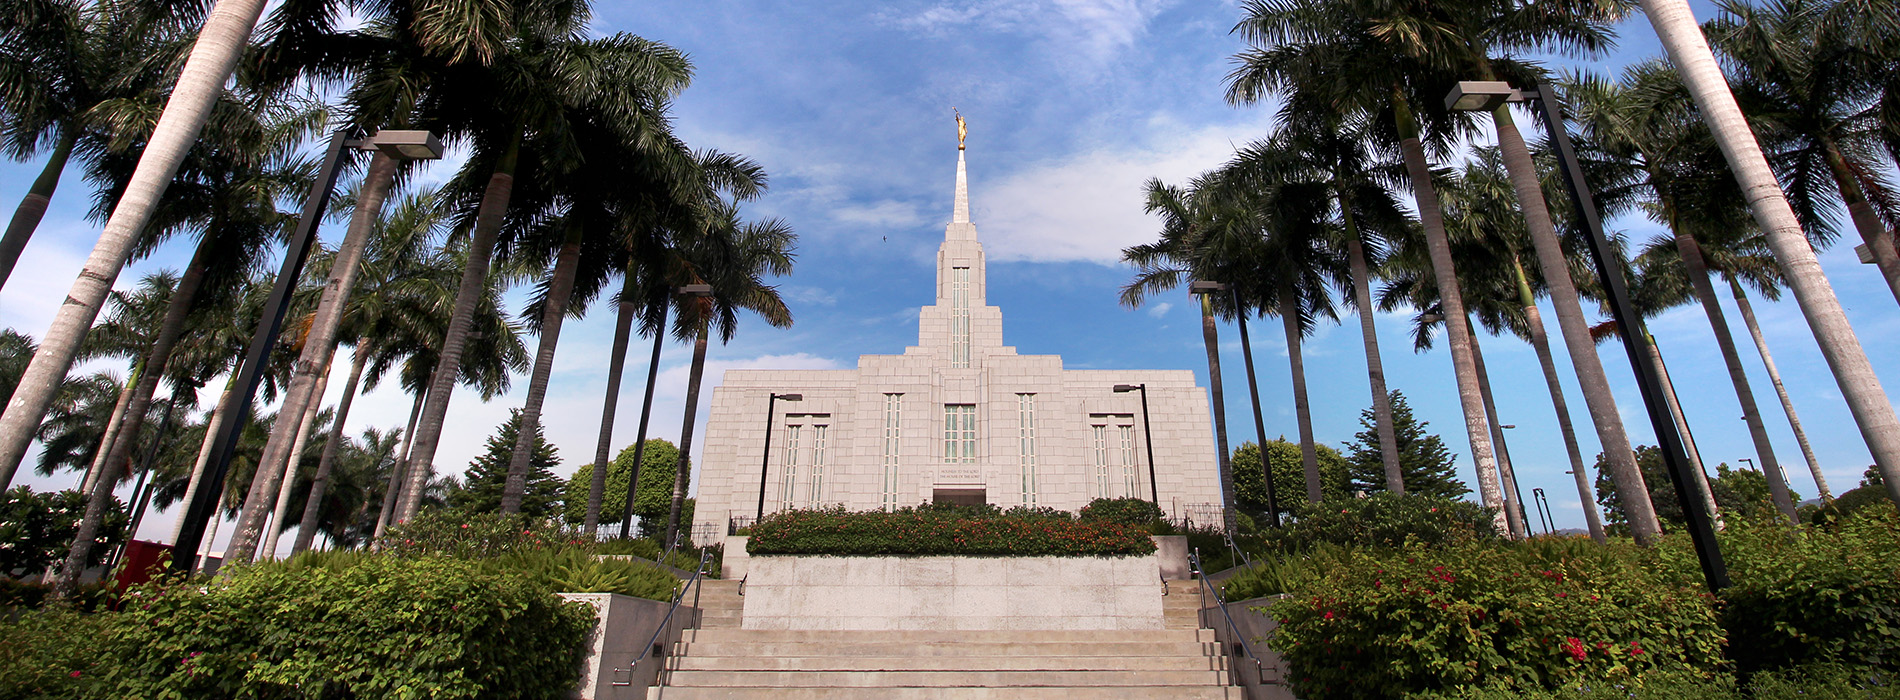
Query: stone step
1195,662
949,636
921,649
1046,693
940,679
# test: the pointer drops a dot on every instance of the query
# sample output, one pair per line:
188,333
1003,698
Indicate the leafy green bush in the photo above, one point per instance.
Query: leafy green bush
1871,496
1278,573
940,531
1383,623
21,594
51,654
562,569
384,626
1383,520
1829,594
1127,511
36,529
1833,682
461,534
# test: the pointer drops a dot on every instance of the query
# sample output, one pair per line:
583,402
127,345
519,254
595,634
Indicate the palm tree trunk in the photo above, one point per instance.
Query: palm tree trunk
293,465
1451,301
684,468
319,484
1689,51
1309,456
318,345
1586,492
1513,506
560,289
474,287
396,474
141,495
1209,336
646,415
152,369
212,423
26,217
211,536
1774,377
1375,367
1597,395
616,365
226,32
1866,220
1682,426
111,435
1712,307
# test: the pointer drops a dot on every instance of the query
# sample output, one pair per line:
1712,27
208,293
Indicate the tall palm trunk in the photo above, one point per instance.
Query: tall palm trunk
141,493
26,217
474,287
1866,220
1774,377
1689,51
1513,508
293,465
113,424
1375,367
396,480
560,289
318,345
1309,455
226,31
212,423
1574,328
684,467
320,484
1451,301
616,365
1707,494
646,415
152,369
1586,491
1226,465
1712,307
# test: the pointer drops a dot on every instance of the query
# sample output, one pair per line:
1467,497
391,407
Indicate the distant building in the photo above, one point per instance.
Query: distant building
959,417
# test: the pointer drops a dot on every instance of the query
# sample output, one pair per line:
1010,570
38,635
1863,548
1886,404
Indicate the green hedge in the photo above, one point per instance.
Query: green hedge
1825,594
434,627
1127,511
1383,520
946,532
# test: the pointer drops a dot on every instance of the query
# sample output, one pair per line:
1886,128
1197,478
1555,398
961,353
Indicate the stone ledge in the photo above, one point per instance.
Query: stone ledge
966,593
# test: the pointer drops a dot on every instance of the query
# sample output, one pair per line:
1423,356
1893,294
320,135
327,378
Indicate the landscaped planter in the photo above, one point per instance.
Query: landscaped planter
622,626
932,592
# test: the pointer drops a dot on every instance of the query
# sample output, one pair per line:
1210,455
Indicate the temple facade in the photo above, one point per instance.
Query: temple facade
959,417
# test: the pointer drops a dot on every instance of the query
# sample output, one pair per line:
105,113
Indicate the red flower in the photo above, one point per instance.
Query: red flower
1574,647
1329,614
1635,650
75,674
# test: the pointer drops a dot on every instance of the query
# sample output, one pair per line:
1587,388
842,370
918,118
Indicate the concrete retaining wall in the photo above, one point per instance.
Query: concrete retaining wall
1262,681
988,593
623,624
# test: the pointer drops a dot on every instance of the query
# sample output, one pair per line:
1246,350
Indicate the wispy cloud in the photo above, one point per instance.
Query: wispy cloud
1091,30
1159,310
887,214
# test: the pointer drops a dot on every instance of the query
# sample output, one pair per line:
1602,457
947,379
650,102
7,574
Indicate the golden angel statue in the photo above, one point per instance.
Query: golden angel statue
962,129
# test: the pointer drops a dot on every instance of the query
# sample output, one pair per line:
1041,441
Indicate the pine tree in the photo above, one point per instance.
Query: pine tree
1428,467
482,484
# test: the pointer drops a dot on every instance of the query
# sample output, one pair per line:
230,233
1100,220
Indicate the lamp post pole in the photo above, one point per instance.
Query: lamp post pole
1147,438
1474,96
765,455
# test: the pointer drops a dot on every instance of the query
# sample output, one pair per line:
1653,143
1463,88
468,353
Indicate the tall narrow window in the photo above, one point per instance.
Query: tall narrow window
1101,462
1026,440
959,317
893,413
788,477
1131,485
819,433
959,433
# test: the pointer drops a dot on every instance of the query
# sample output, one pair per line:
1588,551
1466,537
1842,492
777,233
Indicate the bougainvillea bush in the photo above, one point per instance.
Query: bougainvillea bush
1383,623
941,532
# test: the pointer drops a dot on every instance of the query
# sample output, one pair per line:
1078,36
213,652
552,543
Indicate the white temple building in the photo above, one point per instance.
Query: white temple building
958,417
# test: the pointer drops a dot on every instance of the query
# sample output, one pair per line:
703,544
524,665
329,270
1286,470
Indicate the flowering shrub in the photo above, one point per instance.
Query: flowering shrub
1826,594
1384,520
384,627
1383,623
939,532
51,653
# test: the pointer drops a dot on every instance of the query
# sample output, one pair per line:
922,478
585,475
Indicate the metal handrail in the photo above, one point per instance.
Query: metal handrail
1235,548
677,599
1194,560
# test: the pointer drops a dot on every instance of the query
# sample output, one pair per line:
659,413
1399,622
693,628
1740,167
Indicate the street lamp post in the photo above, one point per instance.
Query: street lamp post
1147,437
646,404
765,456
1202,288
1543,510
1488,95
1751,463
402,145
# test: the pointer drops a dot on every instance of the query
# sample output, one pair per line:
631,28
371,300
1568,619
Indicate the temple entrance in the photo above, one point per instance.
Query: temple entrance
959,496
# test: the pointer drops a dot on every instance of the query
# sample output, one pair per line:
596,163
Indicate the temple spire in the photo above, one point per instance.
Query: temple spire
961,213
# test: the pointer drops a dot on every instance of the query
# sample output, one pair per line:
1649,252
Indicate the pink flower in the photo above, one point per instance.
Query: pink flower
1574,647
1329,614
74,674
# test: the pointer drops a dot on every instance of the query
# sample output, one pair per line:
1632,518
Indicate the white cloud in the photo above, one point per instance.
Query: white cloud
1089,206
1159,310
809,295
887,213
1091,30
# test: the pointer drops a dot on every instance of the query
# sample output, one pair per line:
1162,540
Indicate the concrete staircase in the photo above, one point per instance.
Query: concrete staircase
720,660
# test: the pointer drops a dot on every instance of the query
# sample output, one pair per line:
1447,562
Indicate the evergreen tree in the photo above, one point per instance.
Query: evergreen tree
654,498
1289,475
656,486
1428,467
482,484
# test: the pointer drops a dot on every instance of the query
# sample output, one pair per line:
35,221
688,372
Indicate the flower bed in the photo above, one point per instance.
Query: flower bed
927,531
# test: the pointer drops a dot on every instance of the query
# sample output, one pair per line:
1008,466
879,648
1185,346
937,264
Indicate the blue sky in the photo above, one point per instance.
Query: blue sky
1072,104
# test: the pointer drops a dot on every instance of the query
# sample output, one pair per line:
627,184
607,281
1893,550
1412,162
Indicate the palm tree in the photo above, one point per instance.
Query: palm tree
1322,55
1689,52
1772,290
